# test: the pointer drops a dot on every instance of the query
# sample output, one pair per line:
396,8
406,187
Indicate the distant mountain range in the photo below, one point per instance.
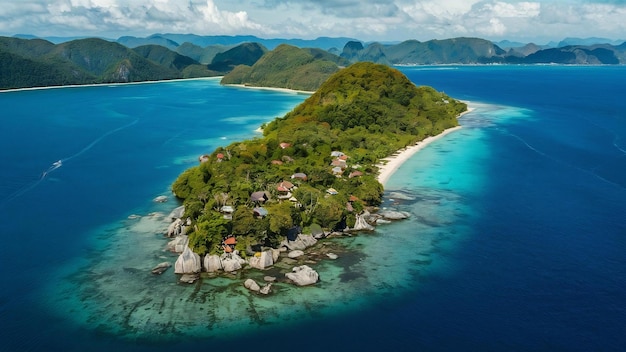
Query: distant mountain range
481,51
37,62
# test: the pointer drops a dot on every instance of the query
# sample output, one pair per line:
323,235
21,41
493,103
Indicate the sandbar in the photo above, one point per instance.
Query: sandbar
390,164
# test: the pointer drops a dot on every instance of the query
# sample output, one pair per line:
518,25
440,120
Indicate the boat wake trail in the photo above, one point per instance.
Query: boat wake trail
97,140
591,172
30,183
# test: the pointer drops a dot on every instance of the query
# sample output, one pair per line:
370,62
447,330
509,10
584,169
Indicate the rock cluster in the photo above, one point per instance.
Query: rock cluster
300,243
254,286
303,275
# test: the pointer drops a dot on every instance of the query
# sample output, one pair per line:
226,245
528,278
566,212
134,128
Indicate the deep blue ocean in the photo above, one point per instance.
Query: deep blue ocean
517,239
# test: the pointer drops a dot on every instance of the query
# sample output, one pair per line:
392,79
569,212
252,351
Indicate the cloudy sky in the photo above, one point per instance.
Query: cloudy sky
537,21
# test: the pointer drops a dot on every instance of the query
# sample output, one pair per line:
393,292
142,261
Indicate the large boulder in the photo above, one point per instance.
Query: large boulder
178,228
263,260
212,263
295,254
252,285
178,244
231,262
177,213
303,275
301,242
361,223
160,268
266,290
187,263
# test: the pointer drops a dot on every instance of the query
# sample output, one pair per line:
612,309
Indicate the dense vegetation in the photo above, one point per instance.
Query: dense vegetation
287,67
36,62
366,111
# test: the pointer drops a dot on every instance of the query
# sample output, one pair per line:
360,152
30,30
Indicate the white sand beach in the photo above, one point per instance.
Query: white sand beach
390,164
108,84
283,90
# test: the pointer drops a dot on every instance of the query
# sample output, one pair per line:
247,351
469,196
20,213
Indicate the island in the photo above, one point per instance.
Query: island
314,172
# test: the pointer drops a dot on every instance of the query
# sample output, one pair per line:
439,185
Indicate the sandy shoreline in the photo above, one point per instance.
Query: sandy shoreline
282,90
108,84
389,165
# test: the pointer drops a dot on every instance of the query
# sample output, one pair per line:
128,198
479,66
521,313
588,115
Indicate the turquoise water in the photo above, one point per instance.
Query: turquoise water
515,241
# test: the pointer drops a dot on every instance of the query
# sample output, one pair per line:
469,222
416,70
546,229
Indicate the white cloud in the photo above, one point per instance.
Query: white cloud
363,19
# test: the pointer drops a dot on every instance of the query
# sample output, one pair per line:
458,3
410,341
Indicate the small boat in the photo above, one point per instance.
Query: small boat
57,163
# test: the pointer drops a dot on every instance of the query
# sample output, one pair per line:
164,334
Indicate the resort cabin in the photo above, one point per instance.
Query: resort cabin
339,163
259,197
228,244
299,176
332,191
220,157
336,154
228,211
337,171
203,158
285,145
260,212
284,189
356,173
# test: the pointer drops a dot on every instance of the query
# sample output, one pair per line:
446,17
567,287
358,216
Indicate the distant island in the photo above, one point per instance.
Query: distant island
313,172
295,64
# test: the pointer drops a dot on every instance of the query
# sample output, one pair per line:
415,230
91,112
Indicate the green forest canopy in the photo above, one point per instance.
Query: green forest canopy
366,112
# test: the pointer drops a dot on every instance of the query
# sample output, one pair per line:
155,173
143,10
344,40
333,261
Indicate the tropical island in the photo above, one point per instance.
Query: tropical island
313,172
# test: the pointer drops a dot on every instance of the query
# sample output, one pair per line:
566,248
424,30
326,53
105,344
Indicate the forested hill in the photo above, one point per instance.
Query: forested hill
327,148
288,67
36,62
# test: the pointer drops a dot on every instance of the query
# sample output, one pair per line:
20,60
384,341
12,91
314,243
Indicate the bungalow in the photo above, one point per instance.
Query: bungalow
259,197
336,154
228,244
332,191
203,158
355,173
228,211
338,162
220,157
260,212
337,171
299,176
285,145
285,186
284,189
277,162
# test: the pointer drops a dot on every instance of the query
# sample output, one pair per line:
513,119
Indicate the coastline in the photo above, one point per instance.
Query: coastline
388,166
108,84
275,89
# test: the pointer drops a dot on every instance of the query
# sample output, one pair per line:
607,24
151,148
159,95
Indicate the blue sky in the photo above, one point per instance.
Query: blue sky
538,21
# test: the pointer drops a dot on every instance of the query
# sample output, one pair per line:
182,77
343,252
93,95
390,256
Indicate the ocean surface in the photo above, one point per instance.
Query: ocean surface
517,239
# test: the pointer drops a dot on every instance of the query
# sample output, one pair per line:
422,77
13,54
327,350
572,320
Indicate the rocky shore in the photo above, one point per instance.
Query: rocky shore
292,257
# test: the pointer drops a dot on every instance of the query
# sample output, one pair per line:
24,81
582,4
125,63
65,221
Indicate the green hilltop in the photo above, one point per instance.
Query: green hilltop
287,67
364,112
